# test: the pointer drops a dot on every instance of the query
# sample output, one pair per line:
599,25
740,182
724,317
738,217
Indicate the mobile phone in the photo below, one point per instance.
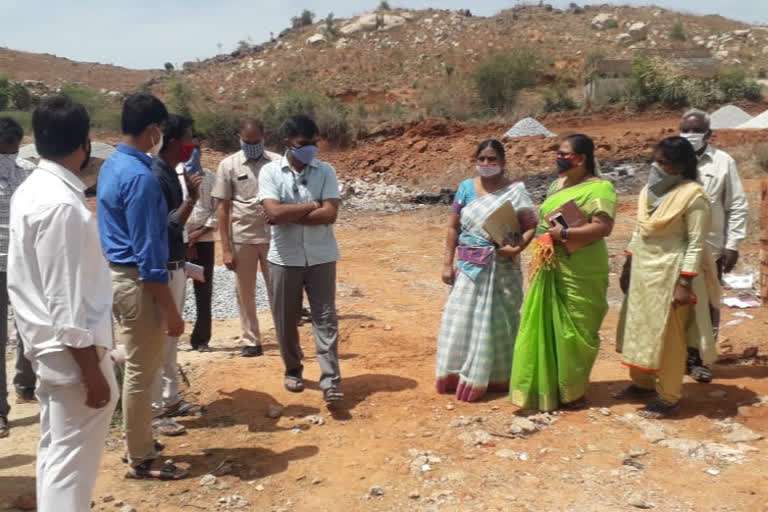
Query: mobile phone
559,219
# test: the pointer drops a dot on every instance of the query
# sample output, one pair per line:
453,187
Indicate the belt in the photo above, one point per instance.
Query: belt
174,265
129,265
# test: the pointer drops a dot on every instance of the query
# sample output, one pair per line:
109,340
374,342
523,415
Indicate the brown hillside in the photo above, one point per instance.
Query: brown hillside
56,71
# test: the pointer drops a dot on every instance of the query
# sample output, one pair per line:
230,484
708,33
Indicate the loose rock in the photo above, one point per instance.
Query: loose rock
274,411
207,480
638,500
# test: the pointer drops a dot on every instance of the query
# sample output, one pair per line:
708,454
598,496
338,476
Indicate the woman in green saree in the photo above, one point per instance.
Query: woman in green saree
559,336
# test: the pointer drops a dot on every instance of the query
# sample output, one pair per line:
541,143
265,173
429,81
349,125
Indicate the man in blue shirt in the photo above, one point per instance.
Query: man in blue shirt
300,195
132,215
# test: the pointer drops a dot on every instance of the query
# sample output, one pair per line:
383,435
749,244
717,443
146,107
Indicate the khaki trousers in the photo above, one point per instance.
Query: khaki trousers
248,258
668,380
143,334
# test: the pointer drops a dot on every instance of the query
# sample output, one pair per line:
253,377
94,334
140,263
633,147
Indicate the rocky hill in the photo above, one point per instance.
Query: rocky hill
402,56
395,56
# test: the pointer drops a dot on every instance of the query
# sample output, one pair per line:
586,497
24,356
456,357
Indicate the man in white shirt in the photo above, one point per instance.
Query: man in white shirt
13,172
61,289
720,177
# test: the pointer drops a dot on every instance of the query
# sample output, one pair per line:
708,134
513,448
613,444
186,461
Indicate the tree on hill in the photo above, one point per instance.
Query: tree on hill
305,19
384,6
169,67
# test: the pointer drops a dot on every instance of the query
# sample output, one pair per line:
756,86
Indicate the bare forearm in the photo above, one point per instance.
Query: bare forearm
320,217
224,226
590,232
185,210
528,237
288,213
87,359
451,241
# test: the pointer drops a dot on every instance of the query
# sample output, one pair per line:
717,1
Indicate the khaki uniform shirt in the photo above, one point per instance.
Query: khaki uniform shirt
237,180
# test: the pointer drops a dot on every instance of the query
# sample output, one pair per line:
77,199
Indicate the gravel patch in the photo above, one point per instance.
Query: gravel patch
528,127
758,123
224,303
729,117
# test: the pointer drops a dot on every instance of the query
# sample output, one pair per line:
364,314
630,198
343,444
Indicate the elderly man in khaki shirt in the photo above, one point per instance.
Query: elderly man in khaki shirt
244,231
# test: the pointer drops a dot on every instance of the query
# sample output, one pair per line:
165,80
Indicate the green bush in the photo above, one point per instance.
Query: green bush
220,129
557,99
181,98
305,19
23,118
499,81
331,116
105,115
5,93
736,86
762,73
21,98
677,33
611,23
384,5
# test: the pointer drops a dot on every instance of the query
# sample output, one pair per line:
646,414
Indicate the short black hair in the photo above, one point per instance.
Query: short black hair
141,110
494,144
584,145
61,126
679,153
300,126
11,131
251,121
175,128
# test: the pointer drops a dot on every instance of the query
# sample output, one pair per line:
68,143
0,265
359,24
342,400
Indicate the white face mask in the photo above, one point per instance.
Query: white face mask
154,150
696,140
486,171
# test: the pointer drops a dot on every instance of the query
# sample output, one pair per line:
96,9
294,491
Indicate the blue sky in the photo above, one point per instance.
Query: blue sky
146,34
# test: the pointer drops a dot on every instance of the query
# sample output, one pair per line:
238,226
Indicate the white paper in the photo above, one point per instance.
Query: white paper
739,282
733,323
743,302
194,271
744,315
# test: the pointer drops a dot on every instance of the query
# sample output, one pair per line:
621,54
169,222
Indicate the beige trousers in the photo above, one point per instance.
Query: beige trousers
143,334
668,380
248,259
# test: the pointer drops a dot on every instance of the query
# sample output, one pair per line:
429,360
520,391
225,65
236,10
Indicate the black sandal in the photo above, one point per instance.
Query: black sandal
701,374
575,405
659,409
633,392
5,429
333,394
144,471
159,447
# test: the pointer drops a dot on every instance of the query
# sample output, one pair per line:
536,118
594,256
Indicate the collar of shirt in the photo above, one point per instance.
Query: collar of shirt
63,174
242,159
132,151
709,152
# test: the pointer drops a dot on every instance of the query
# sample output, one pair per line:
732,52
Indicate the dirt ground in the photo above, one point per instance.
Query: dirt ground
390,298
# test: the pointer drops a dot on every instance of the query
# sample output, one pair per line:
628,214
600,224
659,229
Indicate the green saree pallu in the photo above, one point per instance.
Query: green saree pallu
559,336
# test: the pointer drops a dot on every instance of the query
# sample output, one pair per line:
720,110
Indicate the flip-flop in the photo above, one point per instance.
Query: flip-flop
5,430
333,394
293,384
159,447
144,471
701,374
168,427
184,409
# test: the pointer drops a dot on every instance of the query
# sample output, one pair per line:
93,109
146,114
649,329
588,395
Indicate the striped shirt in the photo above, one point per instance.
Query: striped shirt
13,172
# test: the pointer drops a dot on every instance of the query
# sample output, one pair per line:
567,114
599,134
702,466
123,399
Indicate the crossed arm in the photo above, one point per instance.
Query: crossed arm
314,213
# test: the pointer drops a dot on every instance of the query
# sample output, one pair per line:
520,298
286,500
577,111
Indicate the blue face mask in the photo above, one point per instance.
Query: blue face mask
252,151
304,154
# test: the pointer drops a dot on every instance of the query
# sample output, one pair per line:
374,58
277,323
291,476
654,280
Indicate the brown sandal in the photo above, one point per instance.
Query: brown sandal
168,427
184,409
145,471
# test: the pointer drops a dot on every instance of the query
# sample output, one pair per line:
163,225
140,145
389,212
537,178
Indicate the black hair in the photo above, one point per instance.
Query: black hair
495,145
583,145
299,126
11,132
175,128
141,110
679,152
251,121
61,126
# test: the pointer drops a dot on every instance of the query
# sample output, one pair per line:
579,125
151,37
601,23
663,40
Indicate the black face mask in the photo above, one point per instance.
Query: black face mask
563,165
87,158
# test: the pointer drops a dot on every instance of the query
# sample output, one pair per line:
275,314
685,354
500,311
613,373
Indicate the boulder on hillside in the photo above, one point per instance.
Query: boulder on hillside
604,20
342,43
638,31
369,22
743,34
624,39
316,40
392,21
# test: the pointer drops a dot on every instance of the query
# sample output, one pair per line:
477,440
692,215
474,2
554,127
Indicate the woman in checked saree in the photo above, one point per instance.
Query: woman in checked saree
482,314
559,334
